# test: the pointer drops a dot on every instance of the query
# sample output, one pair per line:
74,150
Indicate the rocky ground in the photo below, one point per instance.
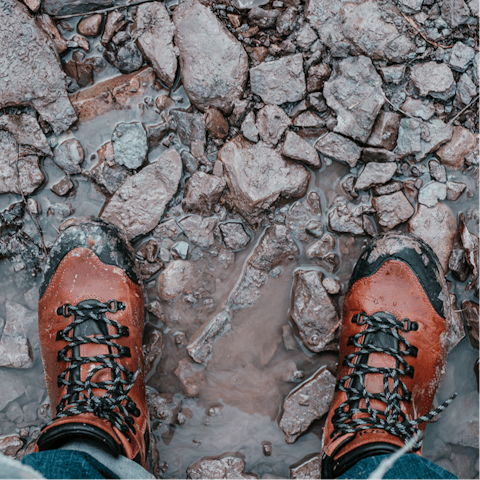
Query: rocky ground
249,150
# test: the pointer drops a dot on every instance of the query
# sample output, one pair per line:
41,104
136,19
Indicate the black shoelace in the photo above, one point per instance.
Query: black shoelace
392,419
115,405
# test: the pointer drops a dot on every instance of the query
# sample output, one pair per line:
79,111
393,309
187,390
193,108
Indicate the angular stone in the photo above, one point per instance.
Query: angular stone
301,220
466,90
375,174
191,376
263,18
249,128
308,120
347,217
190,127
455,12
257,176
313,312
30,68
138,205
355,94
460,56
436,226
202,192
287,21
470,314
392,210
310,467
418,108
154,31
199,230
279,81
272,122
339,148
391,187
128,58
321,248
90,26
457,263
431,193
226,466
455,190
152,350
434,79
69,156
216,123
305,37
470,244
307,403
385,130
162,406
393,73
10,445
67,7
299,149
63,187
214,64
317,75
234,236
247,4
49,27
114,23
130,144
462,143
381,155
112,94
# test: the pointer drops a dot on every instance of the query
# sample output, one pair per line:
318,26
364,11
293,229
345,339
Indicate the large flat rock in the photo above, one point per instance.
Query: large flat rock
66,7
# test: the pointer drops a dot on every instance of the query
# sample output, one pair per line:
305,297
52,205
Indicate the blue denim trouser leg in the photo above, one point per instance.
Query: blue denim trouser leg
408,466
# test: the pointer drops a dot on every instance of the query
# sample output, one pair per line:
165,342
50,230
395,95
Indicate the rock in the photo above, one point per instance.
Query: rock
385,130
10,445
214,64
49,27
249,128
355,94
30,68
148,262
190,127
431,193
339,148
154,31
418,108
202,192
317,75
462,143
164,102
308,120
114,93
313,312
455,190
216,123
375,174
69,156
460,57
33,5
138,205
152,350
388,188
263,18
257,176
128,58
67,7
458,264
287,21
393,73
307,403
182,278
247,4
162,406
199,230
331,285
435,226
130,144
321,248
90,26
434,79
466,90
305,37
310,467
63,187
226,466
470,244
279,81
393,209
421,138
167,229
272,122
455,12
437,171
17,164
347,217
300,221
16,387
382,155
234,236
79,71
114,23
299,149
191,376
470,314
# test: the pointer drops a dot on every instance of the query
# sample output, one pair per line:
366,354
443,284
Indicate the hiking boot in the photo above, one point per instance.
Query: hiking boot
394,342
90,322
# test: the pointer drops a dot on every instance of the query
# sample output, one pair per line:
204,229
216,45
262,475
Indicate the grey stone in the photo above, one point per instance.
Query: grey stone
455,190
249,128
115,22
263,18
307,468
130,144
462,143
375,174
418,108
393,73
214,64
190,127
437,171
466,90
202,192
339,148
226,466
272,121
127,59
331,285
234,236
257,176
67,7
287,21
279,81
434,79
299,149
308,120
154,31
317,75
321,248
30,68
410,6
10,445
138,205
393,209
49,27
355,94
455,12
300,217
63,187
305,37
460,56
180,250
346,217
307,403
431,193
377,155
248,4
385,130
313,312
199,230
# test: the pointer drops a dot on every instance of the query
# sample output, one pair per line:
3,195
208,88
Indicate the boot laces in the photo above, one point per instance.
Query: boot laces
115,405
392,419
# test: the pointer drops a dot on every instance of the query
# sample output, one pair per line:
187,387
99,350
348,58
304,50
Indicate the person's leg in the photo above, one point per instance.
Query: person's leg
394,340
91,319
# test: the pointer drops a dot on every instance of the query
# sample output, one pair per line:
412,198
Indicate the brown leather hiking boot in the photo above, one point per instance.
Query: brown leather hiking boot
393,346
90,321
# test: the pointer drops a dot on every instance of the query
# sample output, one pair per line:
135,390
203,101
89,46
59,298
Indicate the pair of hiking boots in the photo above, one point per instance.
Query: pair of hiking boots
393,347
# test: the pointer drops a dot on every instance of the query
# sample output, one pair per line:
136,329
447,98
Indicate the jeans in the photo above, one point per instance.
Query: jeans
76,464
